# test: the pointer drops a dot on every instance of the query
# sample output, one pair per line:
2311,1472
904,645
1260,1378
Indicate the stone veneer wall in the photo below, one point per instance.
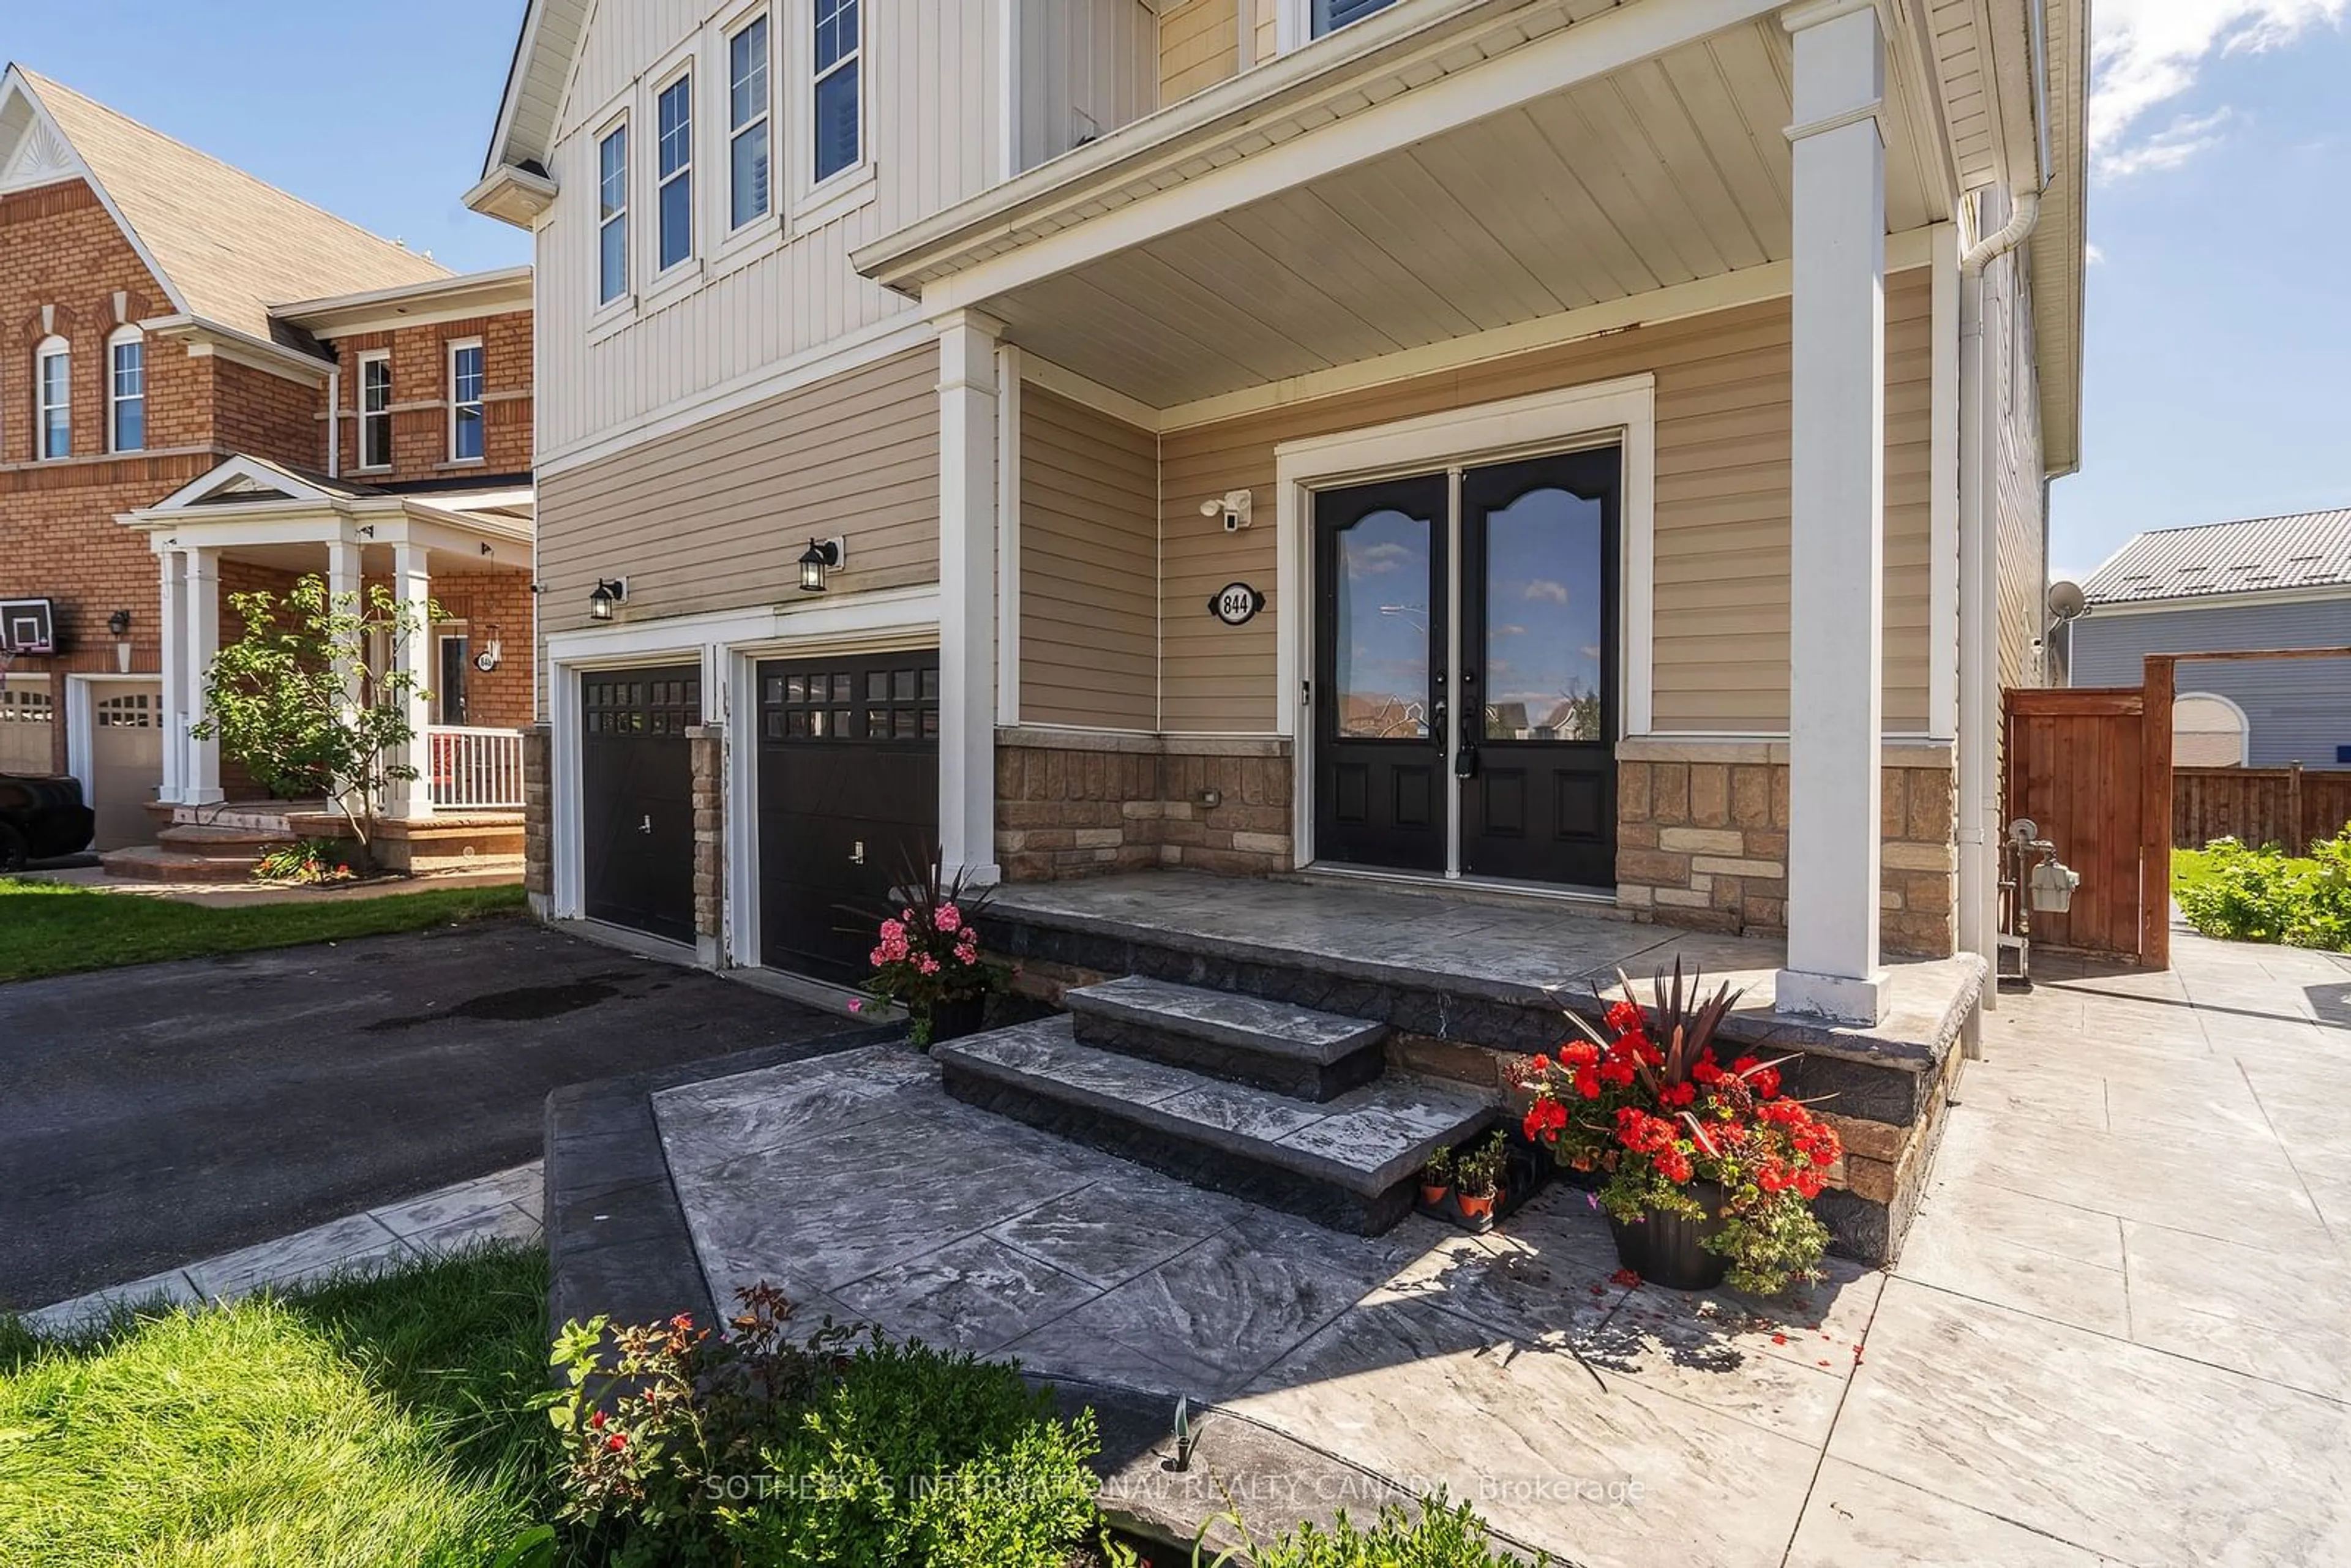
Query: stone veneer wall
706,746
1085,802
538,845
1702,839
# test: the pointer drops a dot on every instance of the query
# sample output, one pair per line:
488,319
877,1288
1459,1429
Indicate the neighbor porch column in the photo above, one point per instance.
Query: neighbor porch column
1837,492
344,592
967,522
201,785
412,588
172,627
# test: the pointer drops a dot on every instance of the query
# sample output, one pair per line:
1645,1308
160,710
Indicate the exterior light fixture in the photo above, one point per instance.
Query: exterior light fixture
608,592
120,625
822,556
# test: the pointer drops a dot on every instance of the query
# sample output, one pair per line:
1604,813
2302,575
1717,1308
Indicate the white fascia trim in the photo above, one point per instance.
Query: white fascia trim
2113,608
204,337
1623,409
895,335
1087,393
1943,487
881,612
18,86
1584,51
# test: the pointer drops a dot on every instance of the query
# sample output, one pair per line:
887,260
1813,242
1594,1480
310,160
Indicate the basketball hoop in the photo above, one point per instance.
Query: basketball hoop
27,627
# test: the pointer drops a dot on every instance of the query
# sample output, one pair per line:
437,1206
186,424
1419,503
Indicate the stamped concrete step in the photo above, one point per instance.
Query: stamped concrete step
1290,1050
223,840
154,862
1348,1162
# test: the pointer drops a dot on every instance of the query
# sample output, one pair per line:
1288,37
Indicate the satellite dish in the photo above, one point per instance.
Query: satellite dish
2067,602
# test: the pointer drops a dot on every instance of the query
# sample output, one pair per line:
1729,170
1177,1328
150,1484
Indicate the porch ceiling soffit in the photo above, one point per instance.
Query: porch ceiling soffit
1421,194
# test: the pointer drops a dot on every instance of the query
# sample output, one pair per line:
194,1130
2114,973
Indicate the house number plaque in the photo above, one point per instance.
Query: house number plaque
1236,604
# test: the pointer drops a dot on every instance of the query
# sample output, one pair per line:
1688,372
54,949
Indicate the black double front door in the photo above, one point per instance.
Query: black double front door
849,797
1464,694
636,788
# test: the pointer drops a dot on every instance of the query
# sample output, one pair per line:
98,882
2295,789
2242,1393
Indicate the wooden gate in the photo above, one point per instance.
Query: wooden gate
2092,767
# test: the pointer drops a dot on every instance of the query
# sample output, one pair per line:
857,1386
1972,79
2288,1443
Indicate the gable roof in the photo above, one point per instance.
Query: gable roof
2258,555
552,32
224,245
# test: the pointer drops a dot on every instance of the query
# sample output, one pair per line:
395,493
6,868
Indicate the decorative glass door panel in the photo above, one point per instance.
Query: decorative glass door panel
1380,797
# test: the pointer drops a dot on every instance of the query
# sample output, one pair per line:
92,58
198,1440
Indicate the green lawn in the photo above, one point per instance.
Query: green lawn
373,1422
55,928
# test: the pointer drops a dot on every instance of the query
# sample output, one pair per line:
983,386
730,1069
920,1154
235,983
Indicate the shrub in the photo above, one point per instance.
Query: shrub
311,861
1441,1537
684,1446
2264,895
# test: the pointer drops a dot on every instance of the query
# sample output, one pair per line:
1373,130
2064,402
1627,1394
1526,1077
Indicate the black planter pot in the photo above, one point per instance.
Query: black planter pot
954,1019
1664,1249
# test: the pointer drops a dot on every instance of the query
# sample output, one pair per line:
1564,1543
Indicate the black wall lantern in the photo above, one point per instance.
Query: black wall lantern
120,625
609,591
822,556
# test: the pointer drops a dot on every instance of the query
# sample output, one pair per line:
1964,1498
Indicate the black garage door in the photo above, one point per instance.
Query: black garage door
637,796
849,790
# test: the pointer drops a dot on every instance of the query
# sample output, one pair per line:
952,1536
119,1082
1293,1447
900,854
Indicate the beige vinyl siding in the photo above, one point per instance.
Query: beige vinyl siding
1199,45
1722,591
1089,587
716,515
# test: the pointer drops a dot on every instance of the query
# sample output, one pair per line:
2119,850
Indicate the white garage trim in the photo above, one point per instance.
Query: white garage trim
81,713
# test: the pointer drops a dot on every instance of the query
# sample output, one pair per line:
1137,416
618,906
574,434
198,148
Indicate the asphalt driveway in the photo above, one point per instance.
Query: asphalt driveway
153,1115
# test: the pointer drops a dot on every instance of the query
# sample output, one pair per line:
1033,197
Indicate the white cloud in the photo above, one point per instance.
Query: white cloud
1544,588
2092,256
2145,53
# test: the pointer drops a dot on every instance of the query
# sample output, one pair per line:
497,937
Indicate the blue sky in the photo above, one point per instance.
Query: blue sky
2219,376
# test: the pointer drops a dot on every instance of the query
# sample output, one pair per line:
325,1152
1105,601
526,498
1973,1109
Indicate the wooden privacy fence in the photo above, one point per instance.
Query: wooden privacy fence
2258,806
2092,766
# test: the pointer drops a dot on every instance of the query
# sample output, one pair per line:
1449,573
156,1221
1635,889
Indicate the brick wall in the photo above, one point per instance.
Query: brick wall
706,747
537,842
1079,803
419,395
1702,839
493,604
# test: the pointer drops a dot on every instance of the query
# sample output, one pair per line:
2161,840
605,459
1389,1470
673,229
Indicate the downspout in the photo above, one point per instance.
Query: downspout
1980,830
1979,707
334,423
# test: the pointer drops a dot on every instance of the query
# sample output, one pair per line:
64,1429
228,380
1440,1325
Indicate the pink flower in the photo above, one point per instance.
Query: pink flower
950,918
929,966
892,931
857,1004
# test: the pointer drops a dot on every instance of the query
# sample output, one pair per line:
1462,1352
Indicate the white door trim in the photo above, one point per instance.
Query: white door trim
1623,410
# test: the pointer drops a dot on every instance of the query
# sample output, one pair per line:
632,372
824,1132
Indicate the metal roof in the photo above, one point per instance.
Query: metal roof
2260,555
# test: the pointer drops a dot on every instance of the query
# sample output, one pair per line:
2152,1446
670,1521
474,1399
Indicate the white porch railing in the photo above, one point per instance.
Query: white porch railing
474,769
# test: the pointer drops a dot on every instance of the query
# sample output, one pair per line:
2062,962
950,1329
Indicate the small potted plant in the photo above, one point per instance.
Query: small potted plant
1437,1177
1707,1172
927,958
1478,1175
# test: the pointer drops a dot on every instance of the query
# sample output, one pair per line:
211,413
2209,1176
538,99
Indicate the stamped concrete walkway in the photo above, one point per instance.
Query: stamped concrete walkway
2116,1335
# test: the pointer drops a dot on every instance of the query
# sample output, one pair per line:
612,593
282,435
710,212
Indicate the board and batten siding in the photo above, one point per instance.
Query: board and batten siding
1722,516
1088,567
716,516
1087,67
2296,710
935,139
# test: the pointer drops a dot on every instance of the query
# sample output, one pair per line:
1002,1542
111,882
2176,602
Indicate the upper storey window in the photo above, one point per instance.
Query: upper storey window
375,409
126,390
674,195
839,125
466,401
747,124
1330,16
54,380
612,215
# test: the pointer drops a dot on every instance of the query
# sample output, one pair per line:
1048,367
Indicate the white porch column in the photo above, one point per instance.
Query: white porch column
172,624
967,522
412,587
1836,556
343,588
201,783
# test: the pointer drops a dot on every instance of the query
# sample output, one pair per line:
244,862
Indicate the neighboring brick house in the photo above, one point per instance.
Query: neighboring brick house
147,341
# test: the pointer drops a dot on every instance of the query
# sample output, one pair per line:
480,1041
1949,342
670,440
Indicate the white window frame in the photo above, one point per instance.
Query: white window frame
685,75
51,347
478,403
1294,25
360,463
124,338
818,200
732,132
620,298
2244,721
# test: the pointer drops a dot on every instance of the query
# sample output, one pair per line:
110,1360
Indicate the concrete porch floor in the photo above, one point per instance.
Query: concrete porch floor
2116,1335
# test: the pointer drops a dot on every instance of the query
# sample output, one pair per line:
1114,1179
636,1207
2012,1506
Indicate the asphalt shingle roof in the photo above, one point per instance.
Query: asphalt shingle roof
2308,549
230,244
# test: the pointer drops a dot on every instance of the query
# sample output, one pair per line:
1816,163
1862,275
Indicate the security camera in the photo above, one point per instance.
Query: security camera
1233,505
